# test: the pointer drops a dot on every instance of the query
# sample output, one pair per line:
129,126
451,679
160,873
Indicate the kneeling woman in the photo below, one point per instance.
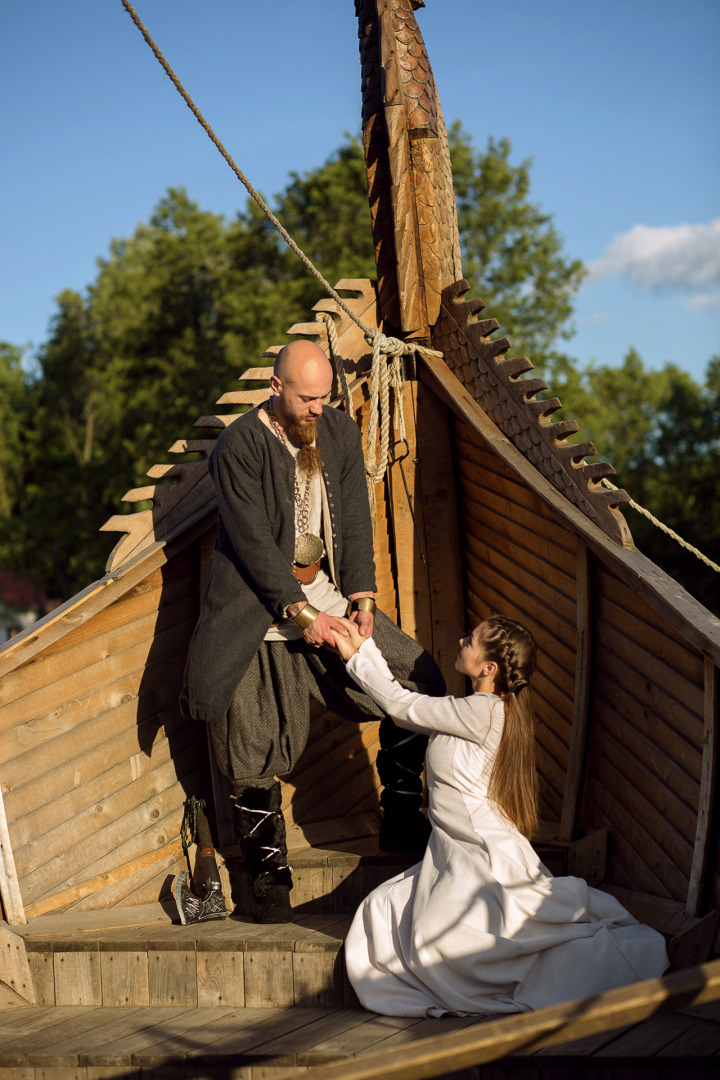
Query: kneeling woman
480,926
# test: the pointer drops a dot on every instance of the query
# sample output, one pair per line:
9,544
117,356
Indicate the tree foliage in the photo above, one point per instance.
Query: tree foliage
180,308
661,432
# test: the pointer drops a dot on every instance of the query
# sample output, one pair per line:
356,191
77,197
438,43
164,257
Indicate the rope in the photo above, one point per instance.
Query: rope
666,529
382,377
381,345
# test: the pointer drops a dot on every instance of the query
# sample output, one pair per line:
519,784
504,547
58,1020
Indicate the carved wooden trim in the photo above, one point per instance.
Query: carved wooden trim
410,188
191,489
511,402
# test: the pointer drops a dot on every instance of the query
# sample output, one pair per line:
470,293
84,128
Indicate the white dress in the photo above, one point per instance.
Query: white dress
480,926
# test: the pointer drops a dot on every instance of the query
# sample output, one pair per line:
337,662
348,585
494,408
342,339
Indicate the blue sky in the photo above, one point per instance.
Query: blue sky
618,103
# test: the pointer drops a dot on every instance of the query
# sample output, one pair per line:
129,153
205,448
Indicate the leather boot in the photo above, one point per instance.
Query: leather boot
400,763
260,829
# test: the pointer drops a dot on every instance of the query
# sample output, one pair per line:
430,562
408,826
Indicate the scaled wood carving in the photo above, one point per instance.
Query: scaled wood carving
410,189
512,403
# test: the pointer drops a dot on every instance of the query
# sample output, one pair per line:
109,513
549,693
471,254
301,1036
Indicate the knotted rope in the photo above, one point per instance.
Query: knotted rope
383,376
381,345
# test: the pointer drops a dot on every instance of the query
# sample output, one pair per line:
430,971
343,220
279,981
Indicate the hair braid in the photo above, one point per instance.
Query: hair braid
514,784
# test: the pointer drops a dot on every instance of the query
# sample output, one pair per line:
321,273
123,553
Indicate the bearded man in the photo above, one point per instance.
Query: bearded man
294,551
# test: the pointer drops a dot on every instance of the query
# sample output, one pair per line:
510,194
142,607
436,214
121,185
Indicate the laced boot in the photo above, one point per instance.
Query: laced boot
260,829
400,763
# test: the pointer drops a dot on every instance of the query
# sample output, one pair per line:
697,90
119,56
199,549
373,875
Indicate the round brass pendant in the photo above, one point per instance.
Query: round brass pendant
308,549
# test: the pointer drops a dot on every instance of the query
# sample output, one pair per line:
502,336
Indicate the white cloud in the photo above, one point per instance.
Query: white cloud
703,302
596,317
684,256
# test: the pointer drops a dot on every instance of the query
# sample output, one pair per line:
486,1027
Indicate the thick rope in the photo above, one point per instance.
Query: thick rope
381,345
664,528
383,376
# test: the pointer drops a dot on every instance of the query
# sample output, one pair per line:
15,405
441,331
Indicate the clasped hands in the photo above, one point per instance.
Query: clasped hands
344,636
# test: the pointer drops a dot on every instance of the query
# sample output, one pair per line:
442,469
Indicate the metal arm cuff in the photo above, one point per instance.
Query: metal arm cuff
365,603
306,617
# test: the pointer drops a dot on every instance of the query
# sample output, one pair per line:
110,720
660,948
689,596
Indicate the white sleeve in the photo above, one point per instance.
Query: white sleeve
468,718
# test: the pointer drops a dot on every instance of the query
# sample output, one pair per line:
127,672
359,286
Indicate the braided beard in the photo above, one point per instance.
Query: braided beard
302,433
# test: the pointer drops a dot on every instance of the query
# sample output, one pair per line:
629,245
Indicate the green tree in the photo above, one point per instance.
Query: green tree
661,432
180,308
512,254
16,413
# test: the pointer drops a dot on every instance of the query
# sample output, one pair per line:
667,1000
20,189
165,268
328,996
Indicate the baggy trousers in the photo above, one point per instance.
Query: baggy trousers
267,724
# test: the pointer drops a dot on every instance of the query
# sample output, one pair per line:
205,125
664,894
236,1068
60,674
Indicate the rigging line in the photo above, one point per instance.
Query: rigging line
373,337
665,528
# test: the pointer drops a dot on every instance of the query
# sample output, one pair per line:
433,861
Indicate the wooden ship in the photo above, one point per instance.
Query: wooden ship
485,505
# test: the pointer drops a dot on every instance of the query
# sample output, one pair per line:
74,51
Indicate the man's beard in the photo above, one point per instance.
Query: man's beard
302,433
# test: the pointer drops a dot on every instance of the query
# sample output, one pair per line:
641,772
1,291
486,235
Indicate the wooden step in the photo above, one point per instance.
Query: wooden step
138,957
228,1043
90,1044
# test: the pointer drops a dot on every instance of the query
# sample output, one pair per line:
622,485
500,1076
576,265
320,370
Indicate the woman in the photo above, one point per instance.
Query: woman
480,926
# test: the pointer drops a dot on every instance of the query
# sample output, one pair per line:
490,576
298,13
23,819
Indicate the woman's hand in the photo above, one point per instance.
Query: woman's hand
348,646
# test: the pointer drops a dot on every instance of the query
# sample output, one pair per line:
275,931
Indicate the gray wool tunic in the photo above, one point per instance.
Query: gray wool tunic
250,581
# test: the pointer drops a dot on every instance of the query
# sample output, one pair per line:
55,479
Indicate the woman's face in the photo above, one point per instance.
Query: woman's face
472,654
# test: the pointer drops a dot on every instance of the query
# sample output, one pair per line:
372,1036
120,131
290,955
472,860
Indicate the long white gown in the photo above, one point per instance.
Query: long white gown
480,926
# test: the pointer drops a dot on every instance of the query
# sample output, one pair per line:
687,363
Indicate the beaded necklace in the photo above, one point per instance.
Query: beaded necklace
308,547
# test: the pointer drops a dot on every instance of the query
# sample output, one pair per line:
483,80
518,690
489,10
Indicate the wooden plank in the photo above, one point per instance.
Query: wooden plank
656,634
662,815
247,1029
68,688
77,978
118,762
581,712
494,1039
442,531
473,447
669,729
369,1031
539,603
707,791
10,894
172,976
653,669
515,505
636,861
15,971
663,595
159,623
92,816
220,977
642,742
511,510
269,978
88,721
64,898
134,1036
124,977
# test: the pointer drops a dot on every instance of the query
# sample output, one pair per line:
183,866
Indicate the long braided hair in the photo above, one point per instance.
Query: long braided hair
514,781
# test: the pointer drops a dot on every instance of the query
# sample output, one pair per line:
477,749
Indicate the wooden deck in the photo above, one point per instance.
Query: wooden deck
129,992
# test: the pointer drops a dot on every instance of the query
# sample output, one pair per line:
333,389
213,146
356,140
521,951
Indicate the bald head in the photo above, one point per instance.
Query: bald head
301,382
300,360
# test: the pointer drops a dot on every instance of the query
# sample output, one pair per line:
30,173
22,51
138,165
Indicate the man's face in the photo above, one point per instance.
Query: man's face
301,399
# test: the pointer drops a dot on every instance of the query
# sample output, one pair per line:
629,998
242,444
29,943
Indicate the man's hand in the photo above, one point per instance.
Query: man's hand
349,643
324,630
365,621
